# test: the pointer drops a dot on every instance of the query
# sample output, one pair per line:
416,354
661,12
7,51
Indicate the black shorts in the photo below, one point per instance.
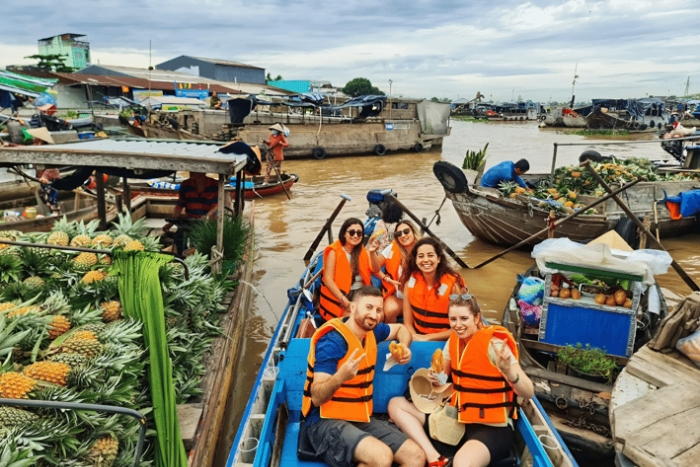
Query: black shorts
497,439
335,440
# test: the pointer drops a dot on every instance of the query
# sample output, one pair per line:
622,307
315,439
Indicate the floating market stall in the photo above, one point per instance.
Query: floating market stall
102,317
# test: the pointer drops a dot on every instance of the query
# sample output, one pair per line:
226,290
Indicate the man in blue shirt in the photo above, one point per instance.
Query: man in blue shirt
506,171
340,384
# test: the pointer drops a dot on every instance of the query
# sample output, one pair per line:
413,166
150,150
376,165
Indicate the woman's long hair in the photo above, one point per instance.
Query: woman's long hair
402,249
355,254
443,266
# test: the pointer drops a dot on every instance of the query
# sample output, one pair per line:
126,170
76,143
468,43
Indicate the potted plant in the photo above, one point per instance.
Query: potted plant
474,163
588,363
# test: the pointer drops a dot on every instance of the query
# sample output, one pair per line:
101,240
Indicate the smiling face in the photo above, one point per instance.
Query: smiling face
406,239
427,259
353,235
462,321
367,311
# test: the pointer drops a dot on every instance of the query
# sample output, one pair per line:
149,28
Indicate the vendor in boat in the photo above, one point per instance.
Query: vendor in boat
346,267
337,402
49,195
476,356
506,171
428,283
394,259
199,198
276,144
215,101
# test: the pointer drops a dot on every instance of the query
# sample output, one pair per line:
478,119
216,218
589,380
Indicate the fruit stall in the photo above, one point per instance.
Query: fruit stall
97,323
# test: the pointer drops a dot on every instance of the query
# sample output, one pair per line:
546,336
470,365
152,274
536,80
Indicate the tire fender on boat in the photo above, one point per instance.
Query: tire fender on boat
628,231
380,150
418,147
450,177
318,153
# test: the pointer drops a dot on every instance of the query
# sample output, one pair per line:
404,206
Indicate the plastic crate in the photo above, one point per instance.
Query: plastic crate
570,322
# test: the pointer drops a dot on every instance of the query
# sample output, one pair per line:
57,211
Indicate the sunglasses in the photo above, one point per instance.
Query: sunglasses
401,233
456,296
354,233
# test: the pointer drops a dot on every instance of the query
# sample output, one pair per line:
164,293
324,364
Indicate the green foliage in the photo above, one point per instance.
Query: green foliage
203,236
361,87
444,99
588,360
475,160
52,62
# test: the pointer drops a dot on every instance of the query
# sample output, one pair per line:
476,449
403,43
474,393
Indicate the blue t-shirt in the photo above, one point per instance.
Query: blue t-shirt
502,172
329,350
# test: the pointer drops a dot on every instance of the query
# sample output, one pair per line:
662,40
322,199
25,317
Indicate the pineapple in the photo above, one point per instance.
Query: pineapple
84,261
10,269
88,348
134,245
58,238
15,385
104,452
84,334
81,241
11,416
102,241
34,282
112,311
85,233
93,276
23,311
95,328
104,259
59,325
51,372
11,235
71,359
63,226
35,261
7,306
4,246
121,241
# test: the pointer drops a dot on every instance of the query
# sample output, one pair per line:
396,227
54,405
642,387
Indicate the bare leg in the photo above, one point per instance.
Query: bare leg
473,454
410,455
370,452
392,307
411,421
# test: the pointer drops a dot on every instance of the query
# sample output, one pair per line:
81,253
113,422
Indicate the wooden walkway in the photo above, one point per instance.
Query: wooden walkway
655,410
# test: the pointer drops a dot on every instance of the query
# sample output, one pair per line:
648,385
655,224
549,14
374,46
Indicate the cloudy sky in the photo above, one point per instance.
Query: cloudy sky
443,48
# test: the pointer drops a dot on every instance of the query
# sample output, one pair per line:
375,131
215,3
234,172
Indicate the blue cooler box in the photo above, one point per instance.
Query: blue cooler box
570,322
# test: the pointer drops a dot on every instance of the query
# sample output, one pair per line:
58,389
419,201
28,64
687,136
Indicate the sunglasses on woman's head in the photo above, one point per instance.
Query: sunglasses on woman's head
401,233
456,296
354,233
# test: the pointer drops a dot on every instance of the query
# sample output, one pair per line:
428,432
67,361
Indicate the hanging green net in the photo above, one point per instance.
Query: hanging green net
140,293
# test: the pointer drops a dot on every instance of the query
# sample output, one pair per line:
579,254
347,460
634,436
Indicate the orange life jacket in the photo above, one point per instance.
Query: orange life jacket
353,399
482,394
392,266
430,305
329,306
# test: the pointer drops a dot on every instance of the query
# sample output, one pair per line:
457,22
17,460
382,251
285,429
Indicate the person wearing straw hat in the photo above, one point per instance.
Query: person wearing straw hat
337,401
276,144
486,378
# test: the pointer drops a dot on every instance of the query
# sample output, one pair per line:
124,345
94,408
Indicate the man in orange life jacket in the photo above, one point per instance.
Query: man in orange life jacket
337,403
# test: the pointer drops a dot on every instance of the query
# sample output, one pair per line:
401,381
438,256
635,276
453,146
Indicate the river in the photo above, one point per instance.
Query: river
284,229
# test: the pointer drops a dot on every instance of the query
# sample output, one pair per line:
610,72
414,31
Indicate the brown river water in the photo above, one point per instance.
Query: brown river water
284,229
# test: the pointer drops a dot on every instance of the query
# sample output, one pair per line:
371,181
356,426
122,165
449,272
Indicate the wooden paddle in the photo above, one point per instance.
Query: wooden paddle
612,194
326,226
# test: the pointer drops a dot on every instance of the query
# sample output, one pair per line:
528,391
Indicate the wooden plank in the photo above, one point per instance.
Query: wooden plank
188,416
670,436
566,379
689,458
661,369
642,459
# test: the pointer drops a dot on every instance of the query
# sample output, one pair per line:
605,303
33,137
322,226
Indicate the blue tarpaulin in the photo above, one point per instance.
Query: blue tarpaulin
637,108
689,201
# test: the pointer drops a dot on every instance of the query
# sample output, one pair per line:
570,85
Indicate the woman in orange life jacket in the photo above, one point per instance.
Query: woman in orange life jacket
486,376
394,257
428,283
345,268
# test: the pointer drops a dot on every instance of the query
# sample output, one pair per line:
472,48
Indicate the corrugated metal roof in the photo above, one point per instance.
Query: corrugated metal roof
133,154
224,62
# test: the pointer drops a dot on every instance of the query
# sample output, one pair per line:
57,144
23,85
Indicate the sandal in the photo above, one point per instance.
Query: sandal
441,462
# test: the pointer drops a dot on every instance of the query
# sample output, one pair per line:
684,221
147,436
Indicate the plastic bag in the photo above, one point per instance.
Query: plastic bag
530,314
531,290
690,347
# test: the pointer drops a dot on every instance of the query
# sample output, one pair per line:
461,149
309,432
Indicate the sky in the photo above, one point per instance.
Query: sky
504,49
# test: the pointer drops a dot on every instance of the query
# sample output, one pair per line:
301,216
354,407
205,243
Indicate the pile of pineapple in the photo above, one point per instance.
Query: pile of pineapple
63,338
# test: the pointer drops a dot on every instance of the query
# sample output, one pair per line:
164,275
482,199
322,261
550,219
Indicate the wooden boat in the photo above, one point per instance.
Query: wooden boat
269,429
504,221
577,406
253,189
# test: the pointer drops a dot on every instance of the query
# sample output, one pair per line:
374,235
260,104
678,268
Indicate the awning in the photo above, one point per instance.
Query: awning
25,85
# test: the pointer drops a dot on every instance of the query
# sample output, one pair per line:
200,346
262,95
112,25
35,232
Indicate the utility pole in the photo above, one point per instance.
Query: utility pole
687,86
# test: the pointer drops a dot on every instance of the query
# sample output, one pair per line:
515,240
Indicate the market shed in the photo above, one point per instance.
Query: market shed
136,159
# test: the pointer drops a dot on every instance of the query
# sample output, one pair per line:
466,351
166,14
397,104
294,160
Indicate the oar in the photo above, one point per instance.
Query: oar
559,222
279,177
426,229
677,267
326,226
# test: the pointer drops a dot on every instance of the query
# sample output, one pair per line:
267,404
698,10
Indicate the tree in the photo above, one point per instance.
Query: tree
52,62
279,78
361,87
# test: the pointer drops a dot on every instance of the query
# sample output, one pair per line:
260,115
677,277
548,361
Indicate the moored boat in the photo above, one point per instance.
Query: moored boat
269,431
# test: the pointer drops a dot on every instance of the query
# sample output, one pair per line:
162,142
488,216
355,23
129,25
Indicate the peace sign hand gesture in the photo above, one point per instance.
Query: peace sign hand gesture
503,356
348,370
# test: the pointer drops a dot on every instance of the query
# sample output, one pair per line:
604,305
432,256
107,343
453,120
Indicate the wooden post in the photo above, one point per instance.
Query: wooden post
216,267
551,219
101,208
127,194
554,164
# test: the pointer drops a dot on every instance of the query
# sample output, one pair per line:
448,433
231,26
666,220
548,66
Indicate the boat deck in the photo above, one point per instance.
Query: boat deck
655,410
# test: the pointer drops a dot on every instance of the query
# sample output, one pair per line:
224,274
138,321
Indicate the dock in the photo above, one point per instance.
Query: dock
655,410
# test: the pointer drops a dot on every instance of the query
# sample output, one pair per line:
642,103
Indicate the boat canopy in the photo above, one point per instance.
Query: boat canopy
636,108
